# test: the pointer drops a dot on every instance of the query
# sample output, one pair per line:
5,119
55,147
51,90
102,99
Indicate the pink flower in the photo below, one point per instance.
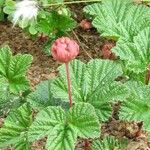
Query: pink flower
65,49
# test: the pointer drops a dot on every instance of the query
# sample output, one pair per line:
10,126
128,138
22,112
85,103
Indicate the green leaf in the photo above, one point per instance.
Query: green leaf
63,137
62,22
108,14
1,14
23,144
46,121
14,130
63,128
42,97
118,18
54,23
33,30
137,106
108,143
94,9
101,82
93,83
5,57
14,68
24,24
9,101
3,88
137,54
9,7
84,119
48,45
2,2
44,23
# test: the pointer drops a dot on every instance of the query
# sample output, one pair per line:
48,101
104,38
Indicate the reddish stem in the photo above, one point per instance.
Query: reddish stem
147,78
69,83
86,146
41,37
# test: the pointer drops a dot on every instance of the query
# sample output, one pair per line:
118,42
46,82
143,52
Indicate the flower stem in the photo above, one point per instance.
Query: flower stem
86,146
69,84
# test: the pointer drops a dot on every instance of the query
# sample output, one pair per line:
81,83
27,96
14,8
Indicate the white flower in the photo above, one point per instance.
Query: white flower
25,10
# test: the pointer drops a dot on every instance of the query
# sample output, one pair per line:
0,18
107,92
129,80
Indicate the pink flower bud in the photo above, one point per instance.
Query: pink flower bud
65,49
85,24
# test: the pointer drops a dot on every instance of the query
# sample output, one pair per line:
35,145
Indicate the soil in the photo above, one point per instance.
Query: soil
44,67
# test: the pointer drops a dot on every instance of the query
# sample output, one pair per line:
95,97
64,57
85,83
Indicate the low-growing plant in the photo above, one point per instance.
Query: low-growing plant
121,21
13,78
75,104
63,125
108,143
13,69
